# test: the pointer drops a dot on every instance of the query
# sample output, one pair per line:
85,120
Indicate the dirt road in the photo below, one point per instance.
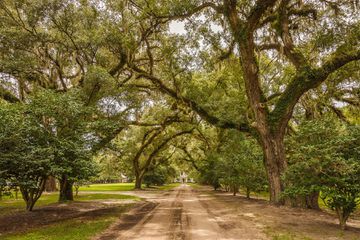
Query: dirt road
183,214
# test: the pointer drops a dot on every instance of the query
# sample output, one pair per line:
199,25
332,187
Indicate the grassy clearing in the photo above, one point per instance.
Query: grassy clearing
109,187
78,229
121,187
9,204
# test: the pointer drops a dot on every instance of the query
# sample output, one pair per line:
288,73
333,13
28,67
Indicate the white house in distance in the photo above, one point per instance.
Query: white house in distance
123,178
183,178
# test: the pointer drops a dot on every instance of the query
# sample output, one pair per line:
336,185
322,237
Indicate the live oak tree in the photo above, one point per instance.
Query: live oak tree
282,48
141,145
45,44
309,41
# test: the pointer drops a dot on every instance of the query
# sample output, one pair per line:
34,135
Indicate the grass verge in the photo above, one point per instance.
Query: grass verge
10,205
79,229
108,187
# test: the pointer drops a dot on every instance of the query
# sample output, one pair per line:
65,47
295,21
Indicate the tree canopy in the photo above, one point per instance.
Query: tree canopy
89,78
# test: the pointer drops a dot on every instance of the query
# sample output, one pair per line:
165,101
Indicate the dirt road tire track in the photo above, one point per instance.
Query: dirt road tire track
183,214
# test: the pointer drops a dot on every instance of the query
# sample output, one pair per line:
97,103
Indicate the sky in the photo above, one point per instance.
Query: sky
177,27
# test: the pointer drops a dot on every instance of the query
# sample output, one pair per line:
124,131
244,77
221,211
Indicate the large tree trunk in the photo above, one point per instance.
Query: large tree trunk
343,217
66,189
247,193
309,201
275,164
138,181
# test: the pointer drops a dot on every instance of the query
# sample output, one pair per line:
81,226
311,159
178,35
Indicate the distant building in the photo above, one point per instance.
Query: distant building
123,178
183,177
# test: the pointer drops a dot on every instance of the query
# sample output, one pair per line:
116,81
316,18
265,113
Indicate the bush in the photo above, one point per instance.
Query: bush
325,157
158,175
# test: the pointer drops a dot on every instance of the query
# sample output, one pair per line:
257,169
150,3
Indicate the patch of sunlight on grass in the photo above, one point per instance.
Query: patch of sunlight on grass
97,196
108,187
284,235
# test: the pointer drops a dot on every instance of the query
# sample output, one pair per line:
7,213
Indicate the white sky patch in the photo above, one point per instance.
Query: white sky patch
177,27
111,106
216,28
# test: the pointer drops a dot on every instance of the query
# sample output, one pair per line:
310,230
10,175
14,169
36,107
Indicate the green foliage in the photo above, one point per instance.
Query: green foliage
325,157
209,172
26,158
98,83
242,165
235,162
66,119
110,48
46,136
221,92
159,175
110,167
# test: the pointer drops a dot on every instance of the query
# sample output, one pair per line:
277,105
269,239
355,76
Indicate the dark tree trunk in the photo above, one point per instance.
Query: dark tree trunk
30,205
50,185
30,196
77,190
235,190
247,193
343,217
275,164
312,201
309,201
138,181
66,189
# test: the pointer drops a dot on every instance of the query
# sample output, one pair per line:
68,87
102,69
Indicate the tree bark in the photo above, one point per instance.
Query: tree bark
247,193
138,181
235,189
270,133
312,201
343,217
66,189
275,164
31,195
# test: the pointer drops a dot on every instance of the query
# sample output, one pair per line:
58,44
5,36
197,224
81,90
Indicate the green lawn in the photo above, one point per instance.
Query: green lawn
109,187
79,229
121,187
9,205
70,229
